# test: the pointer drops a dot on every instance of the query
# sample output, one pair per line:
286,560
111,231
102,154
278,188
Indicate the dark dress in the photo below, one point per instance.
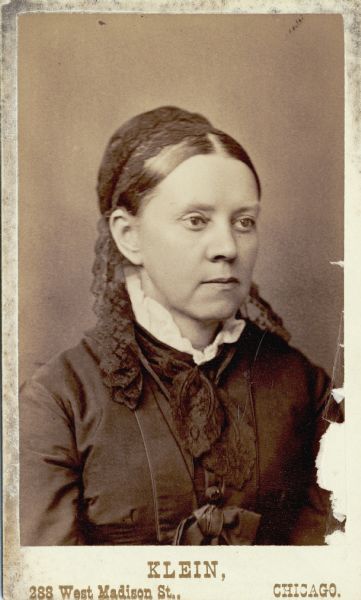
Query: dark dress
97,469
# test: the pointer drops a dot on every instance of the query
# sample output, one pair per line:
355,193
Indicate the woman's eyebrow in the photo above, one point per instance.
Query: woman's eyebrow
255,207
198,206
194,206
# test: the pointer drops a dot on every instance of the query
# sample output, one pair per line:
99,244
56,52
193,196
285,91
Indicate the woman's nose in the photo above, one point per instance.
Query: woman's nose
222,243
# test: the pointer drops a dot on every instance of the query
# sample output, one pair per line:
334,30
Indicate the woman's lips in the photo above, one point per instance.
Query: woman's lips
223,282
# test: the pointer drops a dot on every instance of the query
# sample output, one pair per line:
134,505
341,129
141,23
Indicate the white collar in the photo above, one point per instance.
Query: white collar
159,322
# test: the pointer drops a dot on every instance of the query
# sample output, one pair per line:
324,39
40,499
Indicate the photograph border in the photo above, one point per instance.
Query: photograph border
24,566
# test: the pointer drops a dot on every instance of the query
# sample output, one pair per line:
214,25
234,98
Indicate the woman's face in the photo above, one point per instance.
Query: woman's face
198,238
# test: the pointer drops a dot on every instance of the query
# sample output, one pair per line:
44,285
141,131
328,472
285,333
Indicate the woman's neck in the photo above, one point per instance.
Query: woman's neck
199,333
178,330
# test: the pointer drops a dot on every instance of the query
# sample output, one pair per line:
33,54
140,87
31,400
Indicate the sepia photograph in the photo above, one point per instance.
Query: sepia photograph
180,232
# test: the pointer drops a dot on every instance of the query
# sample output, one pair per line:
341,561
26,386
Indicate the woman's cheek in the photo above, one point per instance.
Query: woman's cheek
247,250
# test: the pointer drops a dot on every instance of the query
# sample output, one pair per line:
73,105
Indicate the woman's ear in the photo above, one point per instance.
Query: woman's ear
124,229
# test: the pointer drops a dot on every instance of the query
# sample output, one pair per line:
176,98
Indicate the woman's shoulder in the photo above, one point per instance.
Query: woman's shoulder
67,374
278,367
269,345
273,357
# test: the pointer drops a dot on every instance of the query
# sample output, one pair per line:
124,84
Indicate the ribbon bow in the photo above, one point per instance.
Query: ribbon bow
213,525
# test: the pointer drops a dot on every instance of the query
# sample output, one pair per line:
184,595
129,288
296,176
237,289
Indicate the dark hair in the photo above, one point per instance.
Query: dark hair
128,172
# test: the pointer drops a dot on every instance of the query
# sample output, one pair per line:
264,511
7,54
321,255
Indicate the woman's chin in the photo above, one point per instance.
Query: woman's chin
218,313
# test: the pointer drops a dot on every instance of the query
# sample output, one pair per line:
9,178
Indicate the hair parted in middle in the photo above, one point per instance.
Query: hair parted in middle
144,150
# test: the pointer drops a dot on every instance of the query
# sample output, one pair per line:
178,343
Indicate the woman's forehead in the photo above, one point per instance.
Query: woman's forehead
209,180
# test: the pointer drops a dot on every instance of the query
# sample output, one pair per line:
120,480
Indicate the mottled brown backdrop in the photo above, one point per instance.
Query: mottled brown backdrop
278,90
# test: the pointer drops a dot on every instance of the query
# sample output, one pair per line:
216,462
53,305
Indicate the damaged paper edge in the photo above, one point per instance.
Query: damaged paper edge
331,459
330,465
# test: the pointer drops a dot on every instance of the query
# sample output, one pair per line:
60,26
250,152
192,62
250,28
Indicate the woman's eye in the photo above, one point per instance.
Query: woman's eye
245,223
195,222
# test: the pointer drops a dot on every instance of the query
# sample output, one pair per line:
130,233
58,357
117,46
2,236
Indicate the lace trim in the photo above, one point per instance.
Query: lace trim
206,419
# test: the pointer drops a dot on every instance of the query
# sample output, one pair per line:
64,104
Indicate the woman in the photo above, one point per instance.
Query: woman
177,419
